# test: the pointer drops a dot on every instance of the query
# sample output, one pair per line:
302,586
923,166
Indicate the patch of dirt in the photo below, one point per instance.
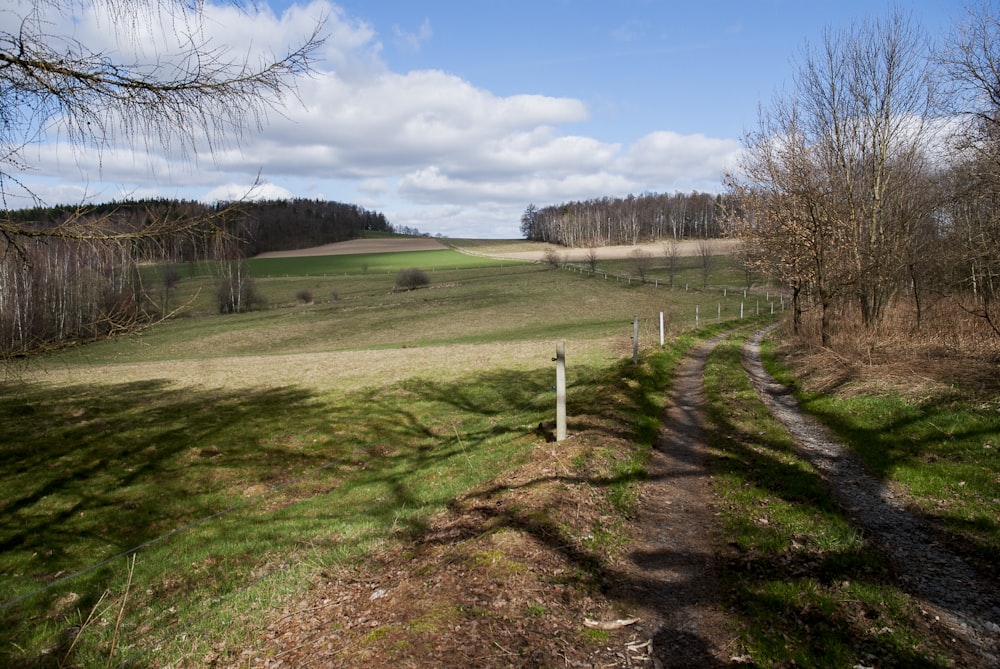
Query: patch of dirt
537,569
685,248
376,245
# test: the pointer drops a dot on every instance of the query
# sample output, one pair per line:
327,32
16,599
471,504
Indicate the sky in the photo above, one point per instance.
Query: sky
452,117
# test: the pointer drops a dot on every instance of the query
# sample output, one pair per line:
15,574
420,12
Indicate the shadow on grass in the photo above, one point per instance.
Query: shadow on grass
810,589
221,488
942,444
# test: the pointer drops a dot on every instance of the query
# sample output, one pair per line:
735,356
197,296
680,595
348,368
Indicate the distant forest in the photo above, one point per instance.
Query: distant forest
252,227
70,274
625,221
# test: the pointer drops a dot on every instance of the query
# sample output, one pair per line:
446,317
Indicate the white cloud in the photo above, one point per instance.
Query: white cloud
232,192
668,157
430,148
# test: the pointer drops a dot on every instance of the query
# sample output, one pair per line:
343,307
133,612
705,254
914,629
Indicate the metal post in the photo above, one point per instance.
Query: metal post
635,340
560,391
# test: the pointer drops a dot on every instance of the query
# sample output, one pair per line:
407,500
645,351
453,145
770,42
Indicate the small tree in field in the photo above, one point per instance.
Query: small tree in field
411,279
672,256
236,291
641,262
592,258
552,258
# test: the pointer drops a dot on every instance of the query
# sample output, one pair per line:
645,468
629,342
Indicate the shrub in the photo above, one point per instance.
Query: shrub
552,258
304,296
411,279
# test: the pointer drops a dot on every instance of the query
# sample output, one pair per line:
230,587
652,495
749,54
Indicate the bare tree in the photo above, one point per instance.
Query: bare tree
592,257
832,181
186,94
866,96
706,257
971,62
192,92
672,256
640,262
552,258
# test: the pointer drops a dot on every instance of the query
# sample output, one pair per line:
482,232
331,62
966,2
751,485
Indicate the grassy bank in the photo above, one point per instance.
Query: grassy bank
807,586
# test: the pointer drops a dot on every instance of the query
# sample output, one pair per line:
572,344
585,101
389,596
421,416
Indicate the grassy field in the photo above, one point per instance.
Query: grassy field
242,454
163,491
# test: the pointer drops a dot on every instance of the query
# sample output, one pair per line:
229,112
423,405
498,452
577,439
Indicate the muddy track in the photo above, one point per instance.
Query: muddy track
961,600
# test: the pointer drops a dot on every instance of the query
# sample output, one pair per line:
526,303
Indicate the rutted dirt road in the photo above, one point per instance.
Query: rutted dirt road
963,601
486,584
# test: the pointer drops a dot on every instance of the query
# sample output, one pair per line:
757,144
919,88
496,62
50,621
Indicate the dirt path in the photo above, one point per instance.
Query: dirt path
962,600
673,561
505,578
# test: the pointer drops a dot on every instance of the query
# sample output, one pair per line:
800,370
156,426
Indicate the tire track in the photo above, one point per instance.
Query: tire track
942,581
673,567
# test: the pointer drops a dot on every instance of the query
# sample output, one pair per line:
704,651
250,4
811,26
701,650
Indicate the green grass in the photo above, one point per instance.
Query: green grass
459,307
724,273
943,447
369,263
304,480
239,493
806,586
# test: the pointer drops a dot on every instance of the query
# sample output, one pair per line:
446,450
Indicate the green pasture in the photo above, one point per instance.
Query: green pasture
724,273
239,458
502,302
369,263
236,458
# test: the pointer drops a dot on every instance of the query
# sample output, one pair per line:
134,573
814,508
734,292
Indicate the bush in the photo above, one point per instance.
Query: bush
411,279
552,258
304,296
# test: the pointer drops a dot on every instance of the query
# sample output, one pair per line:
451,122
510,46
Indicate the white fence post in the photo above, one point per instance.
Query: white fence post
635,340
560,391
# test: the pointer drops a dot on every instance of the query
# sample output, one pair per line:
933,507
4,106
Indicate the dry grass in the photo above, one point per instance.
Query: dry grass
325,371
950,351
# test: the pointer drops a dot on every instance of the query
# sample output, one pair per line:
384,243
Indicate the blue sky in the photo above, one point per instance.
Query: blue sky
452,117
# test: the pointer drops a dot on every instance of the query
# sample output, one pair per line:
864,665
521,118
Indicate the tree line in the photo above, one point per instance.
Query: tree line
71,274
872,187
630,220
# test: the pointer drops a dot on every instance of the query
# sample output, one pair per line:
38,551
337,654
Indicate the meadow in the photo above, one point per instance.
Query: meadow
164,493
162,488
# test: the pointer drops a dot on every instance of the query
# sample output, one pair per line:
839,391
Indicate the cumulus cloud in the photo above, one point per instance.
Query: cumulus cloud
429,146
668,157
